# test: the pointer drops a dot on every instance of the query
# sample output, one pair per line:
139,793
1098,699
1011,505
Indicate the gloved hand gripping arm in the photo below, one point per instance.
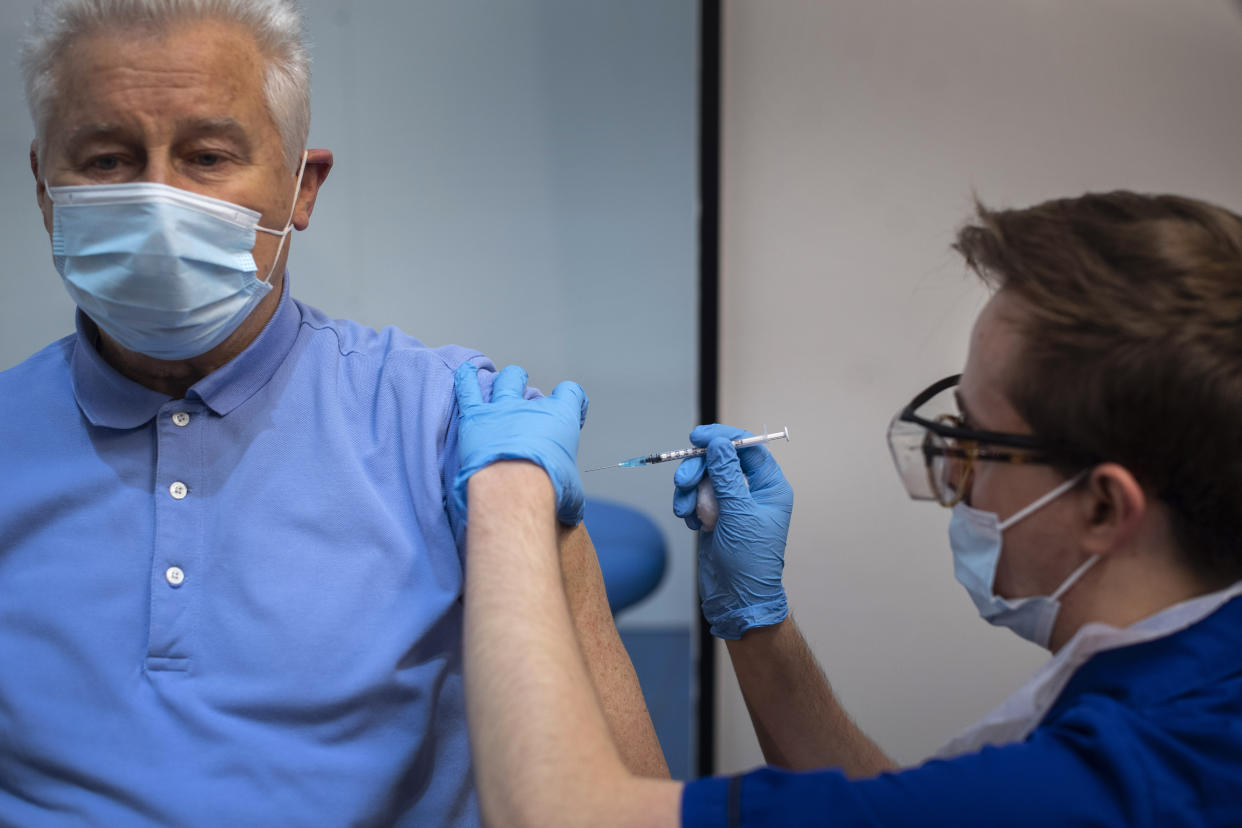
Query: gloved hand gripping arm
510,427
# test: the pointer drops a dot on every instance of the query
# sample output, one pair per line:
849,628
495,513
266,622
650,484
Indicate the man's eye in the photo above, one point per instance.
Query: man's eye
207,159
105,163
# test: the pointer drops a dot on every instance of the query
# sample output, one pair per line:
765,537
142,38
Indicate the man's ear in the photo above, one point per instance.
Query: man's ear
40,190
40,187
318,165
1114,509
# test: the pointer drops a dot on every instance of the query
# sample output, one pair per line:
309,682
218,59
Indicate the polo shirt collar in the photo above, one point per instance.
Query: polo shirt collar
111,400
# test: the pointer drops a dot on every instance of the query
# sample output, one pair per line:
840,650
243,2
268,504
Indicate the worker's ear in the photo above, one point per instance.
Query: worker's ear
1113,508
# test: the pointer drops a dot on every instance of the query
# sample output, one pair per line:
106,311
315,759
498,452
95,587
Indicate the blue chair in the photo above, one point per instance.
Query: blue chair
631,551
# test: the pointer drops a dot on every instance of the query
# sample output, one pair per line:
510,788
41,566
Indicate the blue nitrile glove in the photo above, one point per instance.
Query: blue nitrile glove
741,560
510,427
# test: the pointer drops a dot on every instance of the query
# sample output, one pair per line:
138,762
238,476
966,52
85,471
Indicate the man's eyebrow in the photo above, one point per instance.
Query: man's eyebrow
96,131
224,127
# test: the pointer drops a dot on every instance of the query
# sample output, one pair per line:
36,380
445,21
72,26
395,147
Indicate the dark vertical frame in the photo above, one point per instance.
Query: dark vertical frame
710,35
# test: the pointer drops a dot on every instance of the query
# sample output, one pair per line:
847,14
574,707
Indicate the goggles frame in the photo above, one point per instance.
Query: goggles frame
1029,449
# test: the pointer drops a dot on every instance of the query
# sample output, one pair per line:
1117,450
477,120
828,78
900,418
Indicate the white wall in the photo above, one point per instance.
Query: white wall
854,134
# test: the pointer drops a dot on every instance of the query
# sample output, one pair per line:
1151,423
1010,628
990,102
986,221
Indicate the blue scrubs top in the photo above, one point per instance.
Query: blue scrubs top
1145,736
238,608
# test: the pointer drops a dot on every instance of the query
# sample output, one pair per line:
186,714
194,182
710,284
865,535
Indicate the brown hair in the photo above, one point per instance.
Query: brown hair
1132,347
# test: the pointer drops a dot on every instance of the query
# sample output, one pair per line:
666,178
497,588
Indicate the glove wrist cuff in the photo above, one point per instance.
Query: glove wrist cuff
569,508
732,625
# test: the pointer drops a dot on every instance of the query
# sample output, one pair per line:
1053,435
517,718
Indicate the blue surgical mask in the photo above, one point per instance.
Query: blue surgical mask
975,536
164,272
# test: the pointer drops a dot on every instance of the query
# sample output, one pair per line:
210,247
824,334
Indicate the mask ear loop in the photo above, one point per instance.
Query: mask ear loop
1074,576
1050,496
1043,501
284,234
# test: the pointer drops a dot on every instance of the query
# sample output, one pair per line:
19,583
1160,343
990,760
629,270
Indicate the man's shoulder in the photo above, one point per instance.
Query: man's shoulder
390,344
35,388
386,367
37,367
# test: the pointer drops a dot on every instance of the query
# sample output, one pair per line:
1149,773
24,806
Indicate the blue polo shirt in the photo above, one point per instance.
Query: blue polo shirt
238,608
1145,736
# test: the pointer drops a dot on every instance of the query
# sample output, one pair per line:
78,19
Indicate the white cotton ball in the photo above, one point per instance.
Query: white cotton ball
708,509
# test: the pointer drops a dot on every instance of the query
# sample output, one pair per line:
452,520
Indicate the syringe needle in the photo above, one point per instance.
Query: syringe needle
601,468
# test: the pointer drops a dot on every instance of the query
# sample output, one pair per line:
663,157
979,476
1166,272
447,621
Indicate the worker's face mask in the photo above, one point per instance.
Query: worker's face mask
975,537
165,272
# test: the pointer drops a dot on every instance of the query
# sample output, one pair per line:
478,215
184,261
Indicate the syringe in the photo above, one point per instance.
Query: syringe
693,451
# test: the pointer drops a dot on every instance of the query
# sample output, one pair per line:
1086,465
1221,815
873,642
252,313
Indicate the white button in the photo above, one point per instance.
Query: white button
174,576
181,419
178,490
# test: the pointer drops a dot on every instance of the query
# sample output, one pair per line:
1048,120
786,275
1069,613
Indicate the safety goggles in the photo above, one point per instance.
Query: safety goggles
935,452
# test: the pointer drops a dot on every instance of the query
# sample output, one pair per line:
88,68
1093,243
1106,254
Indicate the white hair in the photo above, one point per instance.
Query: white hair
277,26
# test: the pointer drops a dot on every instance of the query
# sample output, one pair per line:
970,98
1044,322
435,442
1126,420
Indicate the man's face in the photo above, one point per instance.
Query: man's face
1037,553
182,106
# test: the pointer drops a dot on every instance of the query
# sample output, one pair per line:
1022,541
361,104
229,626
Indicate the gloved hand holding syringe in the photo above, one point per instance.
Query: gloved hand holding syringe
707,508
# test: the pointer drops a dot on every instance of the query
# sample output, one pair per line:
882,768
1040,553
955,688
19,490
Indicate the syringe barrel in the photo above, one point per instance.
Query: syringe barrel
699,451
679,454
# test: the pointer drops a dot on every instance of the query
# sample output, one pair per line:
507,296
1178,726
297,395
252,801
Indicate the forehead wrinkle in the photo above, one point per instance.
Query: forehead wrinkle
162,75
116,98
125,83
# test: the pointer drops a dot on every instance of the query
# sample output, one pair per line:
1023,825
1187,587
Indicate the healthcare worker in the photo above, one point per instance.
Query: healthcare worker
1091,455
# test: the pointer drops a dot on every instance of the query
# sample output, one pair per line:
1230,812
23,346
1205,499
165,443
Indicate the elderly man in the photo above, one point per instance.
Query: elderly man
1091,454
230,578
